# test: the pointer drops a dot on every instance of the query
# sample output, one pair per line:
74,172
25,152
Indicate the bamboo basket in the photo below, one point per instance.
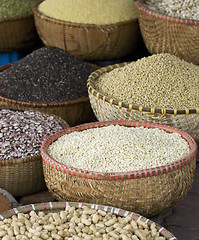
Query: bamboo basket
165,34
23,176
106,109
7,201
88,41
17,33
60,206
73,112
148,191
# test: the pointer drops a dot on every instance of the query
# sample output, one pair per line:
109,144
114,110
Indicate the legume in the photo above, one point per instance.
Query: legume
183,9
89,11
160,80
76,224
22,132
118,148
15,8
47,75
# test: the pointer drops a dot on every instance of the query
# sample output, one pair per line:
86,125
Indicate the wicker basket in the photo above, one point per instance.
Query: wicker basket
7,201
107,109
73,112
164,34
60,206
147,192
17,33
88,41
24,176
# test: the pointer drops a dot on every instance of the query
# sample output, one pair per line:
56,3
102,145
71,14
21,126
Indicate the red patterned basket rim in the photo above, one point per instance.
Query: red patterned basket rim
170,167
143,7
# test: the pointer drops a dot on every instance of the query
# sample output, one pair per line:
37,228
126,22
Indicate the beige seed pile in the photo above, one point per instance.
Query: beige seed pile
89,11
76,224
183,9
161,81
118,148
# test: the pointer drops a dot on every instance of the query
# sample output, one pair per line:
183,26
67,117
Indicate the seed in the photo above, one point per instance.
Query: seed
13,8
89,11
46,75
24,139
175,8
118,148
160,80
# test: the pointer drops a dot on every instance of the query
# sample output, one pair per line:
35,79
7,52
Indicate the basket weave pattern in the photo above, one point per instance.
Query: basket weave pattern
164,34
148,191
23,176
88,41
106,109
60,206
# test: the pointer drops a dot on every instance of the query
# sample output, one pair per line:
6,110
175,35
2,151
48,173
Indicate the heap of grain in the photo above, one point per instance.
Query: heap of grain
76,224
89,11
183,9
15,8
22,132
161,81
118,148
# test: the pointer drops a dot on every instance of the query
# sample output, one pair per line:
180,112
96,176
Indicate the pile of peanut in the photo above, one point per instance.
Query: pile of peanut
80,223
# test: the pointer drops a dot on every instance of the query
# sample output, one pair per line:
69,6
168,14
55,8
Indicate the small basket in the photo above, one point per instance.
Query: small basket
60,206
17,33
88,41
7,201
148,191
23,176
107,109
165,34
73,112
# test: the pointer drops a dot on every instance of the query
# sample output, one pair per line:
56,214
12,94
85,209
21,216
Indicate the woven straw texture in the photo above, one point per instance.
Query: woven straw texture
17,33
88,41
164,34
148,191
23,176
59,206
107,109
73,112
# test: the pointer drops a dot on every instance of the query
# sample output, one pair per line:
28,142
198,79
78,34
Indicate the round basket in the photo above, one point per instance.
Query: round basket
88,41
165,34
73,112
17,33
23,176
148,191
60,206
107,109
7,201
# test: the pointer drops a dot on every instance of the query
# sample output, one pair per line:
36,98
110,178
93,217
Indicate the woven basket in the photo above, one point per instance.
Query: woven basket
73,112
107,109
60,206
88,41
24,176
164,34
147,192
7,201
17,33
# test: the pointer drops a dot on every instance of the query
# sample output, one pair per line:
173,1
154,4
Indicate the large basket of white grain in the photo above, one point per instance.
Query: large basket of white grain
160,88
76,220
91,30
139,166
170,27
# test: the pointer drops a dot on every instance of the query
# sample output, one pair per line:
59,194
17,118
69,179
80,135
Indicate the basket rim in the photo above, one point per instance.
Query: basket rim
120,104
33,158
16,18
144,173
73,24
35,104
141,6
45,206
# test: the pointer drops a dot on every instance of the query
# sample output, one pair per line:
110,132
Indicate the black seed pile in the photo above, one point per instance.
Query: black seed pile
47,75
